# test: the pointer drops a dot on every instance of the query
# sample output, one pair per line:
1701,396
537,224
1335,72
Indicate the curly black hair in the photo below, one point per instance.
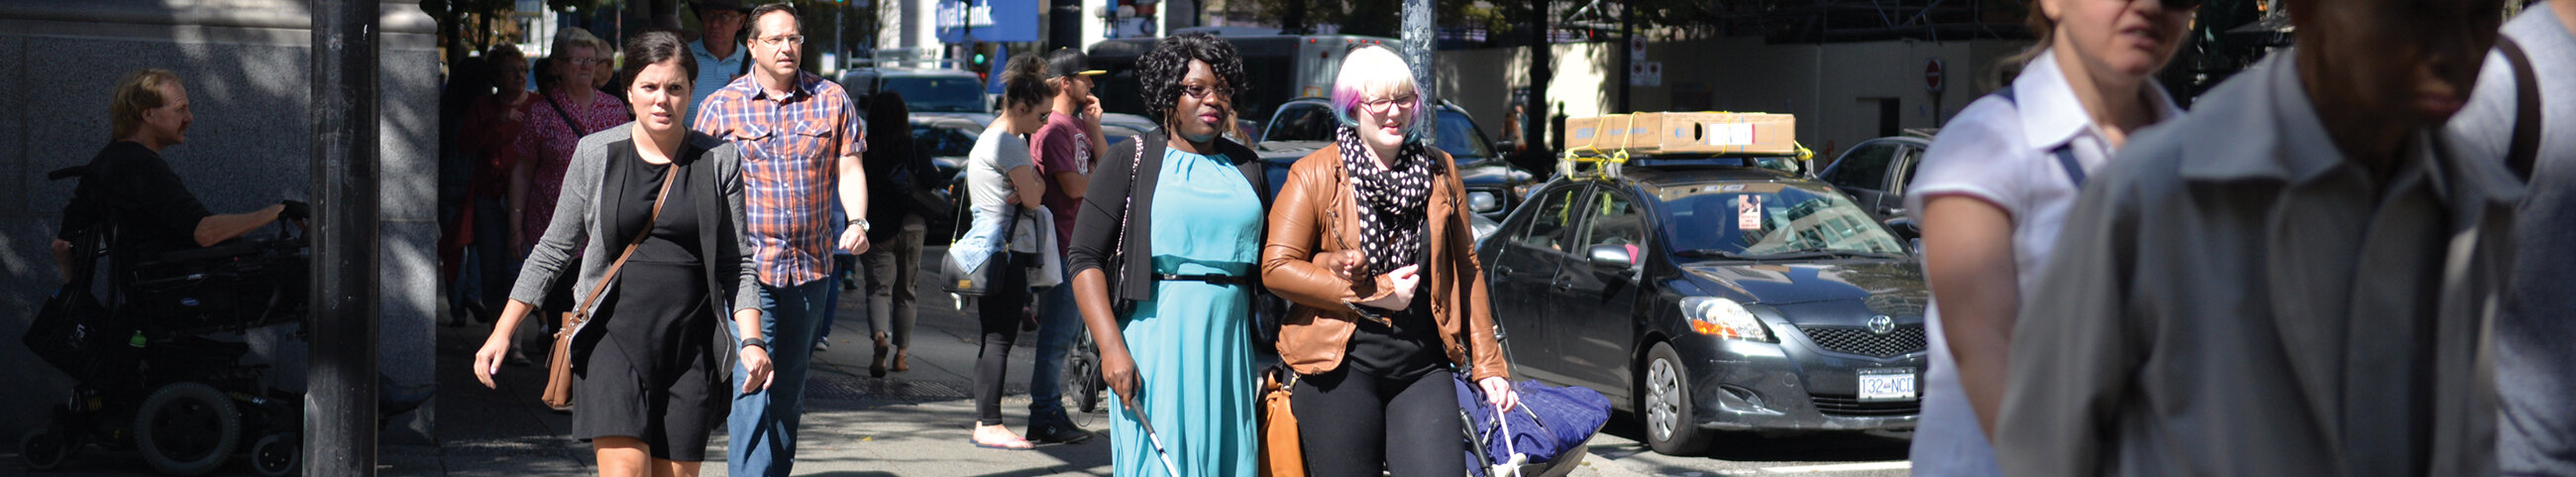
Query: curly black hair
1159,72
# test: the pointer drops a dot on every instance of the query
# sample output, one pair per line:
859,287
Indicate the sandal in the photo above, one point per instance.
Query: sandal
1014,443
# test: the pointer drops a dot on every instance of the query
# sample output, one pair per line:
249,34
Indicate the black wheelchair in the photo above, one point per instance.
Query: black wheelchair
149,372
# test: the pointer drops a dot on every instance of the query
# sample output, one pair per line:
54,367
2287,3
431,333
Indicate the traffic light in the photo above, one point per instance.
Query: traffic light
979,59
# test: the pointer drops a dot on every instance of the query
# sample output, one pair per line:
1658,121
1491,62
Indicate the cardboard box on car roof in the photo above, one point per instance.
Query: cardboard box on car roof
1699,132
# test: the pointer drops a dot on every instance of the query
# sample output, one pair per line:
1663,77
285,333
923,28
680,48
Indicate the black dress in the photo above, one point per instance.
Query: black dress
651,373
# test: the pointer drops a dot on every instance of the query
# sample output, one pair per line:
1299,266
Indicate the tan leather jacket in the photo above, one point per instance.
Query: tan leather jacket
1316,212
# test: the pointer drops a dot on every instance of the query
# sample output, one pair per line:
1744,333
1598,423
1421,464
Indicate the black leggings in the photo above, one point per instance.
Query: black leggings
1349,420
1001,311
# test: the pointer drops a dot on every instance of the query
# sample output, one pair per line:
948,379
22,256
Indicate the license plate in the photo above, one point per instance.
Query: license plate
1886,384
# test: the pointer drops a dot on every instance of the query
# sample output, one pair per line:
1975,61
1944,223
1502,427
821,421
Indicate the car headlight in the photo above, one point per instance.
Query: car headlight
1723,318
1483,201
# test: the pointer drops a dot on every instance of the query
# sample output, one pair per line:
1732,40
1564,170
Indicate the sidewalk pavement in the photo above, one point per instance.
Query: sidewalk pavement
914,423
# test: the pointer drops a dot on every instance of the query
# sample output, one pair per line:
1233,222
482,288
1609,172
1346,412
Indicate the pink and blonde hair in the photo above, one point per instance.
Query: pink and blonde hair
1374,67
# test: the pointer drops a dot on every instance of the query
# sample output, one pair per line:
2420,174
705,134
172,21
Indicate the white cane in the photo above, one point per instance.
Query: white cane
1156,440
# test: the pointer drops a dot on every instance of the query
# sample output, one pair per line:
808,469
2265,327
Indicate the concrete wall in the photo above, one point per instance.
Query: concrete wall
1834,89
246,64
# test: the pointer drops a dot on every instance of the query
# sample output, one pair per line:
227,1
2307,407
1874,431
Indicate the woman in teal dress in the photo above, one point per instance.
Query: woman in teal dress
1163,257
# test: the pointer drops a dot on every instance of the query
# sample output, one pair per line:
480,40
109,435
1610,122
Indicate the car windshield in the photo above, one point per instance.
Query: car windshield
1756,220
939,94
941,141
1459,138
1303,121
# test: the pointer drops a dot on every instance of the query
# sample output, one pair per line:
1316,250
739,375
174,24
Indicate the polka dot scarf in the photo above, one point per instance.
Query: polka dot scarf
1391,201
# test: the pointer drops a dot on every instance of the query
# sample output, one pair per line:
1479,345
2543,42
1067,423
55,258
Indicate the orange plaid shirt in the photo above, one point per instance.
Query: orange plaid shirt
791,150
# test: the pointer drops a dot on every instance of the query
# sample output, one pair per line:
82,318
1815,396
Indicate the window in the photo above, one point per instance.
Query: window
1546,225
932,94
1615,221
1303,122
1913,157
1865,168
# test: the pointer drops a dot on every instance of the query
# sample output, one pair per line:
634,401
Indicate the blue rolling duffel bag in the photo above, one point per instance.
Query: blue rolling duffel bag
1544,437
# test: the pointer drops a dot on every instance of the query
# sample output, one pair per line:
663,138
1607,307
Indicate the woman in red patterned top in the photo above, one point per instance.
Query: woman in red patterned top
567,109
557,119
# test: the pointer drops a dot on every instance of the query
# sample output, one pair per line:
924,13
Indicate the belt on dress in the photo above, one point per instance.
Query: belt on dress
1211,278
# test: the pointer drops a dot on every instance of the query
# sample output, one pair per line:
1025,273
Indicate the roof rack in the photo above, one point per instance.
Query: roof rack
1587,163
1605,164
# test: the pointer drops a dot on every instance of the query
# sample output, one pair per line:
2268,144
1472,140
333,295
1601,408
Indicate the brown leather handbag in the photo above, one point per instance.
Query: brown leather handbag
1282,455
559,363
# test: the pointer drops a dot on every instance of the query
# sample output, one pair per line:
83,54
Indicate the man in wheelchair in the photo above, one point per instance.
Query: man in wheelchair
162,240
143,355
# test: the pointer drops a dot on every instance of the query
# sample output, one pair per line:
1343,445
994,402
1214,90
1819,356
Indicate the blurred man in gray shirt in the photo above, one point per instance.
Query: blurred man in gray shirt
2535,336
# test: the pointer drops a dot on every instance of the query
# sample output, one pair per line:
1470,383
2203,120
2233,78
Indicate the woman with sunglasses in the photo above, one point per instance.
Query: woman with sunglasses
1371,245
1170,229
1995,187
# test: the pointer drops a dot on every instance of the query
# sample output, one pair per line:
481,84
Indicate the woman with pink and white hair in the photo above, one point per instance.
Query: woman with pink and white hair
1368,241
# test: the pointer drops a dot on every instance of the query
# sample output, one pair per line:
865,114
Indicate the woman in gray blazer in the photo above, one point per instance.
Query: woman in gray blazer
649,364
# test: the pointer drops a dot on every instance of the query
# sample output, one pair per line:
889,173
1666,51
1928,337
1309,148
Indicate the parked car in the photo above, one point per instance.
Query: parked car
947,139
1712,295
1493,186
1119,127
924,90
1876,171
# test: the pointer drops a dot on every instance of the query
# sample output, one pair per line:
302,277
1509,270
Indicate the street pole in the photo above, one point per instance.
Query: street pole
1627,33
1542,54
1417,51
340,397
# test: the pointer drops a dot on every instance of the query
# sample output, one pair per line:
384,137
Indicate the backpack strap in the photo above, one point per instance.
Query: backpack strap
2525,148
2065,152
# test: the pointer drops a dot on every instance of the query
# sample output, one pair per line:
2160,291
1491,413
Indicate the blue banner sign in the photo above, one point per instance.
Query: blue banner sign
994,20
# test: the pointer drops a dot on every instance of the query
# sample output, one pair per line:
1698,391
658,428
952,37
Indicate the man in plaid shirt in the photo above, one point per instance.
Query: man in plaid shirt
800,138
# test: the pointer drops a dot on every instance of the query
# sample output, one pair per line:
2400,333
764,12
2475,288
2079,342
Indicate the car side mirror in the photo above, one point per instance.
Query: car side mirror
1905,228
1610,255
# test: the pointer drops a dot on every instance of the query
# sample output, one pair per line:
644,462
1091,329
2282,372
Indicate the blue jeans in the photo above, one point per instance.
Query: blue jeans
1058,321
832,304
762,427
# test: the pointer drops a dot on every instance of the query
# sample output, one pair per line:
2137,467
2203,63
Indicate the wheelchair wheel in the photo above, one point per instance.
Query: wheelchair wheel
187,428
1082,382
46,449
277,455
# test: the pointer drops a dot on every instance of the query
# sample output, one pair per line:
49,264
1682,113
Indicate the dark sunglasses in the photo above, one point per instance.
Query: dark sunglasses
2180,4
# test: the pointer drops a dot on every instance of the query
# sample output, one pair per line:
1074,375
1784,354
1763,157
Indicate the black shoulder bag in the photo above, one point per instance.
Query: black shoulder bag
1119,305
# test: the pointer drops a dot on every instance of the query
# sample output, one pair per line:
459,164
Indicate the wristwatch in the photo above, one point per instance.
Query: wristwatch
750,342
862,224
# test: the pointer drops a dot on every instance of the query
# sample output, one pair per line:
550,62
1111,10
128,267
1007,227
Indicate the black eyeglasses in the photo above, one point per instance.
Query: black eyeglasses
2180,4
1202,91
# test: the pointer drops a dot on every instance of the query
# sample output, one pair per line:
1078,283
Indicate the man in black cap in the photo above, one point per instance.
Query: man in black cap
1063,149
719,50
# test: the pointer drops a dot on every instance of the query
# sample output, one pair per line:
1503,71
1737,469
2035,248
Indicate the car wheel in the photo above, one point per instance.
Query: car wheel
46,448
187,428
1666,405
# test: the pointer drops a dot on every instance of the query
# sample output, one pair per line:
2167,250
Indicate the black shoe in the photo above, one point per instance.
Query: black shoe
1058,430
479,312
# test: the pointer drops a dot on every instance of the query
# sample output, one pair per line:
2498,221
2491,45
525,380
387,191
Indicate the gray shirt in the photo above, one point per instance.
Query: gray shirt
2535,341
989,164
2231,298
